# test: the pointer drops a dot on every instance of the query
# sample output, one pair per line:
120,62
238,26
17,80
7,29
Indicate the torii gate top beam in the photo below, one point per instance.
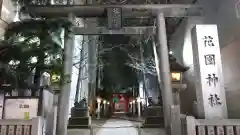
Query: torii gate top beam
129,11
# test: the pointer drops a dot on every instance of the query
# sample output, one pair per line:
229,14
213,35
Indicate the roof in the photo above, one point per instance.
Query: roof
176,66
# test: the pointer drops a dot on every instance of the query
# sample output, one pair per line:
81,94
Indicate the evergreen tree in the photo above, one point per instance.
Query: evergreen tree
34,45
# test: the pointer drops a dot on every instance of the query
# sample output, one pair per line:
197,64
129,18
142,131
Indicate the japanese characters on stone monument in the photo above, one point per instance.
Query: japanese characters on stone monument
211,100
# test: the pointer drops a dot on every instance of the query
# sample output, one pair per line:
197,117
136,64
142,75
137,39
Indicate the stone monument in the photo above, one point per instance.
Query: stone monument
79,115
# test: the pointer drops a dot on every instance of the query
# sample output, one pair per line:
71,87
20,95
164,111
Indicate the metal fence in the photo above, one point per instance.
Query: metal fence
22,127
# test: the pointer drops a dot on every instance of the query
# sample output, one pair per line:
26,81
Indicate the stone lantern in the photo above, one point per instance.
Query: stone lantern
177,71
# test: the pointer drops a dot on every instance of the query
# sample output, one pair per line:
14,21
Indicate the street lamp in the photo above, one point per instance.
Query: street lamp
98,109
104,101
104,107
139,106
133,101
133,105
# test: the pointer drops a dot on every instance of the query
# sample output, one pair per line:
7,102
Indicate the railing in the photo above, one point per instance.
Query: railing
211,127
22,127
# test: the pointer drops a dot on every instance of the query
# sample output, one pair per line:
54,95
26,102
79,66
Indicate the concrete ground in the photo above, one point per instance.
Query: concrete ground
117,127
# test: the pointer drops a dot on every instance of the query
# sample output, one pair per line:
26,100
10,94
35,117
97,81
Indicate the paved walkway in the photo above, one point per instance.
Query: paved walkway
117,127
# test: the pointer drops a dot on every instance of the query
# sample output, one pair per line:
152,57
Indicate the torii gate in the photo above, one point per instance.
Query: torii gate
160,11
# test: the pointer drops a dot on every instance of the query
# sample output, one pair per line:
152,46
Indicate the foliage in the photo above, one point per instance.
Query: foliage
34,45
140,52
117,75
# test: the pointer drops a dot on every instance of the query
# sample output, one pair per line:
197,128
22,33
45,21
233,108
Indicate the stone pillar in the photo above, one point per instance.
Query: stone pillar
104,108
64,97
165,75
131,108
134,107
99,108
139,107
209,83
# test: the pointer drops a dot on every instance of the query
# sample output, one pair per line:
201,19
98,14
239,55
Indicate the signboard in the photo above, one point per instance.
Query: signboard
20,108
115,99
211,100
114,18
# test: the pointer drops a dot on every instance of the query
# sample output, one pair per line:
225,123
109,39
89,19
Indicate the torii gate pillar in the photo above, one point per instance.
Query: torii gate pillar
171,113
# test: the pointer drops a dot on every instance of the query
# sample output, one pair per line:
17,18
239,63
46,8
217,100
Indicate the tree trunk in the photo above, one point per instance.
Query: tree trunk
38,71
143,73
79,75
37,77
76,99
64,96
92,64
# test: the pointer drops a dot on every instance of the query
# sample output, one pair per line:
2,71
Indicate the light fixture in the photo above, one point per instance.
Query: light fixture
108,103
104,101
176,76
55,78
138,99
130,103
133,101
170,52
99,100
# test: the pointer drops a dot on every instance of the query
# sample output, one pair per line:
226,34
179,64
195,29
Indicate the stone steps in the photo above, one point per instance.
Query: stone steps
153,125
79,121
78,127
154,122
79,112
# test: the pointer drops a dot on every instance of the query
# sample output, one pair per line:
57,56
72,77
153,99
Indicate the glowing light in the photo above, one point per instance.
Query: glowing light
133,101
99,100
138,99
55,78
104,101
176,76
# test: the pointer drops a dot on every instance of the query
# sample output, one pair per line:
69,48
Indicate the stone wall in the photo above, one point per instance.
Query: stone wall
231,71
